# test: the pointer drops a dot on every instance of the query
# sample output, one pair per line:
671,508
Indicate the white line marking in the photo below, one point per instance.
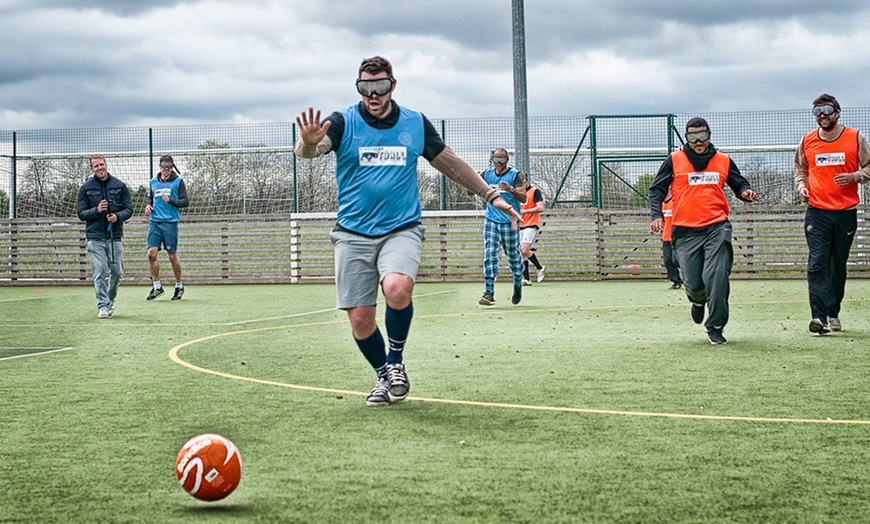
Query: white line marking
281,317
36,354
39,298
295,315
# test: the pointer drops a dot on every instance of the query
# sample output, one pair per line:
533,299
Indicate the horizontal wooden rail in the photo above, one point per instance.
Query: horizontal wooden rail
574,244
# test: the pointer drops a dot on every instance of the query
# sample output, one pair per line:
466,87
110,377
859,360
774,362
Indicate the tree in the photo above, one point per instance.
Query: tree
4,205
214,180
268,181
639,197
33,196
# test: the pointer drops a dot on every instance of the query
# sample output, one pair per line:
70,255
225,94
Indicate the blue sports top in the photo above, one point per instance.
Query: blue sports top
167,211
513,177
376,172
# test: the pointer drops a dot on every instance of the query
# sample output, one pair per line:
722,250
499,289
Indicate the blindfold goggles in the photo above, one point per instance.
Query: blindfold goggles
697,136
825,109
166,165
499,160
380,86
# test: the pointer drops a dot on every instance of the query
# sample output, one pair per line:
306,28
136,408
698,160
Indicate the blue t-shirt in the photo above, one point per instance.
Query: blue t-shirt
164,211
513,177
376,172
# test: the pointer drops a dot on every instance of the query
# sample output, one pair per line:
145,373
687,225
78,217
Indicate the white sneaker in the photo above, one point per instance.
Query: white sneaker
541,273
111,308
104,313
526,282
835,324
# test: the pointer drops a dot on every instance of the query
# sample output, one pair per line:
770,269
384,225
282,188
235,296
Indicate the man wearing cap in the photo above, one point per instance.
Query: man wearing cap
701,233
167,197
829,164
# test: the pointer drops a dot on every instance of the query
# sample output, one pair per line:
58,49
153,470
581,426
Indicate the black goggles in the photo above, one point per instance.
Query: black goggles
379,86
165,165
697,136
499,159
824,109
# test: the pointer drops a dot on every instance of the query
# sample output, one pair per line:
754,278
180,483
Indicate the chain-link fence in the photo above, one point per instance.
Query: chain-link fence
582,161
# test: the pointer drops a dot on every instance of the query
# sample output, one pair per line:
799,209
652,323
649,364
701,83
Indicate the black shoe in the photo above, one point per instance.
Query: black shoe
817,326
486,300
518,294
380,395
697,313
178,292
154,293
715,337
676,285
397,378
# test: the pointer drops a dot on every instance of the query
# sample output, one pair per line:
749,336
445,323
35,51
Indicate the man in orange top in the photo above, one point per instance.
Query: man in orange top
671,263
531,211
829,164
696,176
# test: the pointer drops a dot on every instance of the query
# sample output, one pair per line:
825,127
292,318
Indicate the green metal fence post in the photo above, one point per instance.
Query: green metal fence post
596,175
295,188
13,197
150,153
443,176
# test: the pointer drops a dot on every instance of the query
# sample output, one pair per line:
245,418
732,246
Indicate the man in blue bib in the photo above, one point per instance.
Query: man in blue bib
497,227
378,237
167,196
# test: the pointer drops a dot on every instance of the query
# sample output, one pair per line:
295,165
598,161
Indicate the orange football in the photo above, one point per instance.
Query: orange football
209,467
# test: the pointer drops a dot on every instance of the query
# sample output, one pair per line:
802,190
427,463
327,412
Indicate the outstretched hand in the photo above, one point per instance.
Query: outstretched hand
310,129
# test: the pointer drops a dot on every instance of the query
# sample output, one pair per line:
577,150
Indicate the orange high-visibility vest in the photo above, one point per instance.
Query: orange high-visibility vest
668,212
827,159
698,196
532,219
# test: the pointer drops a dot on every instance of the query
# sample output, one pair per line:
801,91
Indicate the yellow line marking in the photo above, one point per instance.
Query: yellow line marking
173,355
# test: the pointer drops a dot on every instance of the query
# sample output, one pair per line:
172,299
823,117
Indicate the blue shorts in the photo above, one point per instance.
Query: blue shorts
163,234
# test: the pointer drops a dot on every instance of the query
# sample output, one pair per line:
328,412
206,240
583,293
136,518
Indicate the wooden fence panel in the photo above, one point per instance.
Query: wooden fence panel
574,244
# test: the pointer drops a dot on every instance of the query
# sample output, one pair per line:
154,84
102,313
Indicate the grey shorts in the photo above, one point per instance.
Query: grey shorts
362,262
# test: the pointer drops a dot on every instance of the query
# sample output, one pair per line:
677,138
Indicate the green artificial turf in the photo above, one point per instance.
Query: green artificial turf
588,402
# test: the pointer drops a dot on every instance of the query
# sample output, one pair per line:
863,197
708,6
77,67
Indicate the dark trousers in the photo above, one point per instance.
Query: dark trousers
829,238
706,261
671,264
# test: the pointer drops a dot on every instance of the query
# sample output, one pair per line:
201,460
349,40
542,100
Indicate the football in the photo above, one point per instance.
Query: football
209,467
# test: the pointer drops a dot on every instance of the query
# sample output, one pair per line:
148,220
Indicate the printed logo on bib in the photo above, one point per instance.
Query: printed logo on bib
831,159
383,156
704,177
163,191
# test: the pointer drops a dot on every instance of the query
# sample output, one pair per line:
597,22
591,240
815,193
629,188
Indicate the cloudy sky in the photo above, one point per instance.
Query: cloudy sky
149,63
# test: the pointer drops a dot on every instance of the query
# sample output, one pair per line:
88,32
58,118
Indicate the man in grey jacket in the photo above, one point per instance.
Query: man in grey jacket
104,203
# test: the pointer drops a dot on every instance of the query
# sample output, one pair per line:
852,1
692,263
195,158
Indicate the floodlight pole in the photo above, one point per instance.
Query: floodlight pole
521,102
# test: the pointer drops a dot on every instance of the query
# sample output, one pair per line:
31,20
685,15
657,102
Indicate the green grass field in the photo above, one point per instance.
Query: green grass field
588,402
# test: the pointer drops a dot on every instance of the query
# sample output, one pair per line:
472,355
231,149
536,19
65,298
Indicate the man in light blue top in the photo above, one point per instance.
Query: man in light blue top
167,197
497,229
378,237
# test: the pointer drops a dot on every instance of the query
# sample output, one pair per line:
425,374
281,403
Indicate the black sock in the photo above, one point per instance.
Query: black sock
534,259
